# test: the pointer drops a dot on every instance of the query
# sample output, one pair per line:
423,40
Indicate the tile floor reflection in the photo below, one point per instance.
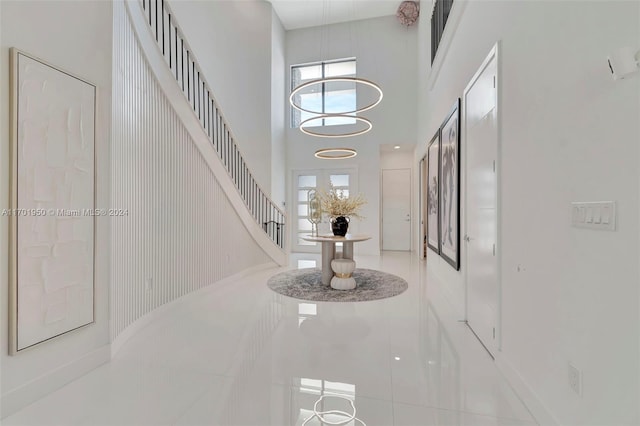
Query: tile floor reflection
240,354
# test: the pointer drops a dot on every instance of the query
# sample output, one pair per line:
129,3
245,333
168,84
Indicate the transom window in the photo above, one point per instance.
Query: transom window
326,98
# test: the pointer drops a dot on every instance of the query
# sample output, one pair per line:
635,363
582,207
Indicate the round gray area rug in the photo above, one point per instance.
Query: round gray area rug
306,284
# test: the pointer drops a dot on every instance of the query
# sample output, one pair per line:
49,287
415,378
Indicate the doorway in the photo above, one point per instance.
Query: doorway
422,208
396,209
304,181
481,199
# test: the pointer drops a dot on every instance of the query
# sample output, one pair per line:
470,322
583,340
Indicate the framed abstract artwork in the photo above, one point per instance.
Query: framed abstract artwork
52,202
450,187
433,193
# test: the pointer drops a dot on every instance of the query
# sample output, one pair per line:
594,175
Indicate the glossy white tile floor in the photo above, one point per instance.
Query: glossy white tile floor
240,354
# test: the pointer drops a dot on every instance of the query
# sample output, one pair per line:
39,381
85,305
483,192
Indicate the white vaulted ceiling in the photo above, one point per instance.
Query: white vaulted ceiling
310,13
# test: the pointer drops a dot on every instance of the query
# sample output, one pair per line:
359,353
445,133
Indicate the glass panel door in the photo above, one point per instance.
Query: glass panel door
304,184
307,180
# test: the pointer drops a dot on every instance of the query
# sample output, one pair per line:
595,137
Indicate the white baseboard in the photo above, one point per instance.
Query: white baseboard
32,391
538,409
150,317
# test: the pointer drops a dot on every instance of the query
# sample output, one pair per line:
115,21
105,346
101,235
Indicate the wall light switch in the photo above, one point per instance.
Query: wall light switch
606,214
594,215
575,214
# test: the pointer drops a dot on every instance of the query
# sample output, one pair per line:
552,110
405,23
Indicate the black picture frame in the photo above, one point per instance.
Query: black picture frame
449,198
433,193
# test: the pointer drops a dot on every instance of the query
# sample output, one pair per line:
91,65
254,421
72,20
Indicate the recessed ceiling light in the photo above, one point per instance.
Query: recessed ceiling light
396,147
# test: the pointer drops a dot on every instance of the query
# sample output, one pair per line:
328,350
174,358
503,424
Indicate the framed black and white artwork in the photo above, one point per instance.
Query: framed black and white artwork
450,187
433,193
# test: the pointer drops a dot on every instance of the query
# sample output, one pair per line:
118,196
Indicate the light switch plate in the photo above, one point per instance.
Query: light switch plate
594,215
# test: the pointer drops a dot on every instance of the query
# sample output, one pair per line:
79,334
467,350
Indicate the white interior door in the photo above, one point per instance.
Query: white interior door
396,209
481,130
422,242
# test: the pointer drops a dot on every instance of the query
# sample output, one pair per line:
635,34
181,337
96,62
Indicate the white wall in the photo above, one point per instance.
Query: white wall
401,159
568,133
278,121
182,232
50,31
231,41
385,53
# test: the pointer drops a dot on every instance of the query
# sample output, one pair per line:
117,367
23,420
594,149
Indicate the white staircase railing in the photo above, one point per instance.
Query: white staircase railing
190,78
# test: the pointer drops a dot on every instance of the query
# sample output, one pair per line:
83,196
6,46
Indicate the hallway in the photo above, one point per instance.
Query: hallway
238,353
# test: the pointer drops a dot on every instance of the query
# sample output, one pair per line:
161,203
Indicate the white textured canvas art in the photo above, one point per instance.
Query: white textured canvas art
52,209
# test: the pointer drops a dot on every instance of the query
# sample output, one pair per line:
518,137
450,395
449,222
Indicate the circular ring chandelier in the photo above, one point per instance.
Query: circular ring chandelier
337,135
335,153
322,415
334,79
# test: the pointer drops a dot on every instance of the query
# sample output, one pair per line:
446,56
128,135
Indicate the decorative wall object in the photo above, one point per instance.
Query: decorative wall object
450,187
408,13
52,212
433,192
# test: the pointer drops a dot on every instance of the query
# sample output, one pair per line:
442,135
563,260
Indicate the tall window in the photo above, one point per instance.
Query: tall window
326,98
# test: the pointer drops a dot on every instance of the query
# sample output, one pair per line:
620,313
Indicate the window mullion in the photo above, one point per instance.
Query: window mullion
323,93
